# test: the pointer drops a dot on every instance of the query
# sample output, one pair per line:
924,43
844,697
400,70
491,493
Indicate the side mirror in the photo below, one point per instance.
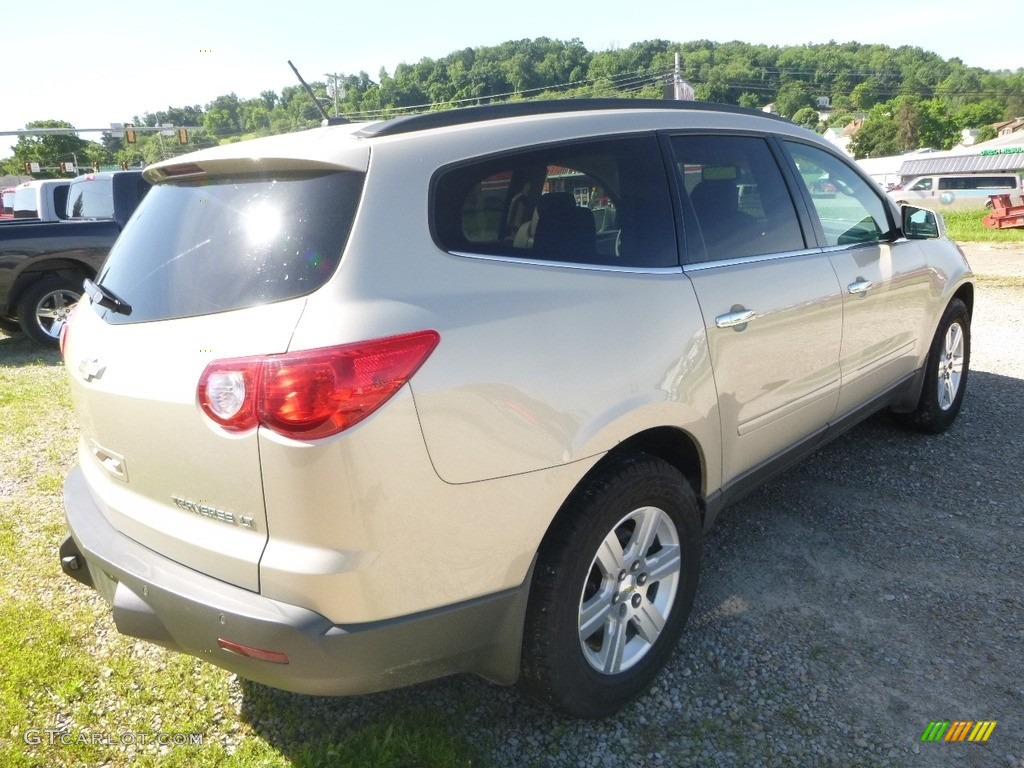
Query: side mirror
921,224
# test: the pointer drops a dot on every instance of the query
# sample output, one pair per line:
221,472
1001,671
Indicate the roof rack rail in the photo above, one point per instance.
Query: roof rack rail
451,117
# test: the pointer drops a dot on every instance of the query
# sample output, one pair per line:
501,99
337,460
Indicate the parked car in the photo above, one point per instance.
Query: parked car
949,191
38,200
43,265
349,422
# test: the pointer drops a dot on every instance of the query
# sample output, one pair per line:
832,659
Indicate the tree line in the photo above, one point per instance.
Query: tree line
907,97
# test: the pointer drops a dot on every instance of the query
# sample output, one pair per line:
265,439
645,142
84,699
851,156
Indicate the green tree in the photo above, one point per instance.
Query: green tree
807,117
792,97
878,136
221,117
750,100
50,150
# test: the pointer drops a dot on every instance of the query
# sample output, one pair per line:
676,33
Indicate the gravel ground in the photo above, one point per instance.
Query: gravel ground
872,589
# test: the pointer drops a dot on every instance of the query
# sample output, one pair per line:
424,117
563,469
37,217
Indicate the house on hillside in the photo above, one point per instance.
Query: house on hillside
841,138
1009,126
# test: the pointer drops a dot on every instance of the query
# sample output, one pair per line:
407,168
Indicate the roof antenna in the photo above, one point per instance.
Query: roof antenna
328,120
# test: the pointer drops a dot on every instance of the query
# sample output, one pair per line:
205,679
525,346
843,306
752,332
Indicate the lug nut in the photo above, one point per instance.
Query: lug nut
636,600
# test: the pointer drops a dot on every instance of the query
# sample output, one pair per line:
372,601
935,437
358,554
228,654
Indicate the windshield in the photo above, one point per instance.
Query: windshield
216,245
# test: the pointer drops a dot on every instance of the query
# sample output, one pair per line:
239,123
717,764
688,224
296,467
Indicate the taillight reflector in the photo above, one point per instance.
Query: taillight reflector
314,393
274,657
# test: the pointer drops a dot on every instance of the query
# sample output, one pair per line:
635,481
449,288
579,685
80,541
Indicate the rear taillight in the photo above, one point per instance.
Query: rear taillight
65,327
314,393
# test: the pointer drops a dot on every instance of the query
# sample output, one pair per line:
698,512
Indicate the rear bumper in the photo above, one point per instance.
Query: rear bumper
161,601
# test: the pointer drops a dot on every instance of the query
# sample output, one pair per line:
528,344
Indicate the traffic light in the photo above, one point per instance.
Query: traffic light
28,169
63,167
124,166
96,166
129,133
182,136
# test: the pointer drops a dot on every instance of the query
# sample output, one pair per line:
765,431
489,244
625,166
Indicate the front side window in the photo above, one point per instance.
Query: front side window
220,244
594,203
922,185
851,212
738,196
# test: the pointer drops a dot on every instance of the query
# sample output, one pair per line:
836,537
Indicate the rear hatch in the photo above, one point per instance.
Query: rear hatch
215,264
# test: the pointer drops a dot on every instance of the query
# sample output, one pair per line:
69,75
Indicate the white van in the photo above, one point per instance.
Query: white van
946,191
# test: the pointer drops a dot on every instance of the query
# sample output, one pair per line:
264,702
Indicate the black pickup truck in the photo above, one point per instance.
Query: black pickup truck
42,266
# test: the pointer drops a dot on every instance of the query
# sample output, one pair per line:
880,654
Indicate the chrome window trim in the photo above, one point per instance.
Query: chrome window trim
676,270
711,264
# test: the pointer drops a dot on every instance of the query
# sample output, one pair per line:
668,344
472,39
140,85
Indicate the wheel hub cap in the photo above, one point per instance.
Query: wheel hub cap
951,366
629,591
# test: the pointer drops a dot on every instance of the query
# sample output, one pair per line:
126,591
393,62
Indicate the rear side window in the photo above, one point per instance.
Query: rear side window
596,203
91,199
738,195
977,182
849,208
224,244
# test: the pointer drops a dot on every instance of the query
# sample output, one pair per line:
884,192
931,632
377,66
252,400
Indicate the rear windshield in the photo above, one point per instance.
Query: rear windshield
223,244
91,198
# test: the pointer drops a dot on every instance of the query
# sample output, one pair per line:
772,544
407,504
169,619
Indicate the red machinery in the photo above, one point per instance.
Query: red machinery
1004,213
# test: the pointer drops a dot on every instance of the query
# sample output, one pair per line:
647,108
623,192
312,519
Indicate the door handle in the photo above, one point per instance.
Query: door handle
861,287
735,318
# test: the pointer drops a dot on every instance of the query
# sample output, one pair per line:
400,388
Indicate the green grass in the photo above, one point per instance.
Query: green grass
967,227
64,665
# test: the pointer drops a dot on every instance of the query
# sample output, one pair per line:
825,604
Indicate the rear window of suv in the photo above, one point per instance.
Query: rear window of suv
220,244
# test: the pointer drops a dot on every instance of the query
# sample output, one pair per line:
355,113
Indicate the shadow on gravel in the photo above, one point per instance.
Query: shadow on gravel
16,350
857,597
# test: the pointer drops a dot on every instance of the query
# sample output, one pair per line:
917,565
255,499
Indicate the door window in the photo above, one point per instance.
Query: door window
737,195
851,212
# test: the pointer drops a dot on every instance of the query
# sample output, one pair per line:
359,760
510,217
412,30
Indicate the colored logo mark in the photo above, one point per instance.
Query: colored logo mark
959,730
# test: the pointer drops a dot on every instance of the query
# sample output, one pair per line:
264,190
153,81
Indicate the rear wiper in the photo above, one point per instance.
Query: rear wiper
106,298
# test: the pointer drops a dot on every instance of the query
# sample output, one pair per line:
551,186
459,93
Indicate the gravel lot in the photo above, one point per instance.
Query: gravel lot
872,589
863,594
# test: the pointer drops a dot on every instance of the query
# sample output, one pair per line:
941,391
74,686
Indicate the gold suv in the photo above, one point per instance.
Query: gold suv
374,403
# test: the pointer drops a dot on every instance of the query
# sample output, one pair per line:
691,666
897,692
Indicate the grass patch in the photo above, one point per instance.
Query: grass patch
417,738
1001,281
967,227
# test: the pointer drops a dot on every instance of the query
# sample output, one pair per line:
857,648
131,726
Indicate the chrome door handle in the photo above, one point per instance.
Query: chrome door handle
733,319
861,286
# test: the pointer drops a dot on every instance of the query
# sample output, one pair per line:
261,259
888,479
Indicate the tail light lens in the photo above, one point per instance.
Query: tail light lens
315,393
65,328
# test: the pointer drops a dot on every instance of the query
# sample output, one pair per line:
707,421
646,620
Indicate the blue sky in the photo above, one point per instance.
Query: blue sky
93,64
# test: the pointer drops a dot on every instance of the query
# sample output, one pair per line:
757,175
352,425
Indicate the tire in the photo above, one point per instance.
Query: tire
620,564
44,306
945,379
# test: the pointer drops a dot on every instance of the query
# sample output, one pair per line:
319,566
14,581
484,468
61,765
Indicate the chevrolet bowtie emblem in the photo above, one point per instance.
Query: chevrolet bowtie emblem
91,369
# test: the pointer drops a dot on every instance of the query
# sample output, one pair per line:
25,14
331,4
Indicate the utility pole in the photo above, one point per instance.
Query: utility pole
681,90
335,77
